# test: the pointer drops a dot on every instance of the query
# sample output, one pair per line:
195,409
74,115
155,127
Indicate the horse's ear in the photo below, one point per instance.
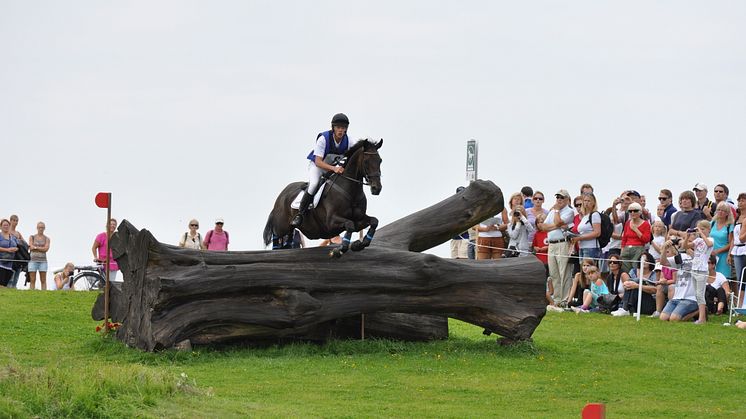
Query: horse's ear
380,143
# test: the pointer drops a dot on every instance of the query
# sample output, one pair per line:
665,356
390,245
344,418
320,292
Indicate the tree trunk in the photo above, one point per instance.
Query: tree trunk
171,294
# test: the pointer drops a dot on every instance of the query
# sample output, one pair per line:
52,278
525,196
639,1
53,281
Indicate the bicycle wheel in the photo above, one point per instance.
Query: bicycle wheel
88,281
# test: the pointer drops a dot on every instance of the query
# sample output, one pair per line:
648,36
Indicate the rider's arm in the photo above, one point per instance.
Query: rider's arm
321,164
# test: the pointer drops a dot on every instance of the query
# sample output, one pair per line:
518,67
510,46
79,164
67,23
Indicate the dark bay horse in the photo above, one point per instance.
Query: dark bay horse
342,206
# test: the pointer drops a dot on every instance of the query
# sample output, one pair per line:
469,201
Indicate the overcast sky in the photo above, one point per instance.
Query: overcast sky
208,109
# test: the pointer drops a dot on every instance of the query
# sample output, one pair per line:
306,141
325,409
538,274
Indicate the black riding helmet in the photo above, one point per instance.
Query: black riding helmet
341,120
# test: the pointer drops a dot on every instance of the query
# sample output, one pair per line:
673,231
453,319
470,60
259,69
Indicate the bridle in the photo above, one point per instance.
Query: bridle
366,175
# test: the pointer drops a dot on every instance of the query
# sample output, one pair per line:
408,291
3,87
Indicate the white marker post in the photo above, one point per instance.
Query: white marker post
639,288
472,148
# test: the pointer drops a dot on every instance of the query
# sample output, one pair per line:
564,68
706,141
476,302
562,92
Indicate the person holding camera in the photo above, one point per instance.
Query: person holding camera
699,241
684,299
519,230
64,279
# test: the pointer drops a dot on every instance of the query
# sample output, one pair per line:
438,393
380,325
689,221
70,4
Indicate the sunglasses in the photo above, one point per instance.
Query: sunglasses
719,191
634,210
662,198
538,198
559,197
614,262
219,224
193,225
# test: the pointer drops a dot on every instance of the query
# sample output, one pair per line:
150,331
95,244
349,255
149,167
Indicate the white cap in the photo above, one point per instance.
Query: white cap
219,220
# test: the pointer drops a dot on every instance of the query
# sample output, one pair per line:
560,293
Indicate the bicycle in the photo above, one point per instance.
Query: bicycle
87,278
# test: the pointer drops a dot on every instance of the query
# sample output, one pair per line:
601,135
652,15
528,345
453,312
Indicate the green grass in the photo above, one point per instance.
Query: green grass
53,364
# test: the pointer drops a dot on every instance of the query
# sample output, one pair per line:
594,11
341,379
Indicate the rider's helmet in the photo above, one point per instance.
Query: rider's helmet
341,120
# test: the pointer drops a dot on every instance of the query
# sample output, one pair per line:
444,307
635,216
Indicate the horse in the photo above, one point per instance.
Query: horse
342,206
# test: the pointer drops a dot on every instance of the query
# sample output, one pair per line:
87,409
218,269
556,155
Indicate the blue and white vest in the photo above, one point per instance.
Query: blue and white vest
331,146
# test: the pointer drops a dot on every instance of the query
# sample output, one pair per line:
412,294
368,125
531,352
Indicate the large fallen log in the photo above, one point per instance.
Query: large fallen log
176,294
172,294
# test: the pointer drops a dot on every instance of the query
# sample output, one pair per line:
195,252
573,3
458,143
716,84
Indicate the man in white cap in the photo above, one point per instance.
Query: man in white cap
703,202
556,223
218,238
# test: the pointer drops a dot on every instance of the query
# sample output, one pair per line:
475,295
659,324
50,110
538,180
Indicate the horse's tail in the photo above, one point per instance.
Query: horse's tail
268,230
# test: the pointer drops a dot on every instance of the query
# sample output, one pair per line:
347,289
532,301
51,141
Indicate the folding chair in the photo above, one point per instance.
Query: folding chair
734,298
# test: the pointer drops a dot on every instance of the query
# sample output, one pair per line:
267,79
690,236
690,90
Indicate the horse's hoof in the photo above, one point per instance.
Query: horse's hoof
336,253
357,246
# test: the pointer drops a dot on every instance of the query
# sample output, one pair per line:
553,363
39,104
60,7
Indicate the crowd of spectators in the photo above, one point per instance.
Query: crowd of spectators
683,261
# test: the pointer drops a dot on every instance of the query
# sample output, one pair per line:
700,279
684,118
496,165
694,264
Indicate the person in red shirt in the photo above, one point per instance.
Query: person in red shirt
540,244
635,236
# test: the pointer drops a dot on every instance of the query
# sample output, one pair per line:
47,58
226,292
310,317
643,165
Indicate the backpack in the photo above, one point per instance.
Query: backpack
607,228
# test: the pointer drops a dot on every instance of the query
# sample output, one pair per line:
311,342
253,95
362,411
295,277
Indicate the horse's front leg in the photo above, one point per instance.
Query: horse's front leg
276,243
360,245
339,251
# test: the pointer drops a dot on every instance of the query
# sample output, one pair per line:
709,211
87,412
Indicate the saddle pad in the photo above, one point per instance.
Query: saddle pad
296,202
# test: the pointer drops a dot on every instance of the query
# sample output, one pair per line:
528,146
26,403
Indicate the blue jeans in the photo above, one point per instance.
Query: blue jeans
680,307
592,253
739,261
13,283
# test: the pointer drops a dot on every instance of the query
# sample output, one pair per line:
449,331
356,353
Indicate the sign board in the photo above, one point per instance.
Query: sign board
471,160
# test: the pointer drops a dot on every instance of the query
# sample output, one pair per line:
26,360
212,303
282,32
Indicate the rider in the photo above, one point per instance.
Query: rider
329,144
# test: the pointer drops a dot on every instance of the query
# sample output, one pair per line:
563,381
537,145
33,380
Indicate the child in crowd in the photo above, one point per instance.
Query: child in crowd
540,244
590,296
700,243
664,288
659,237
64,279
581,283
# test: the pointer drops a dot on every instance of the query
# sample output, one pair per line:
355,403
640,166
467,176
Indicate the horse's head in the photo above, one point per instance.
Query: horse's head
372,165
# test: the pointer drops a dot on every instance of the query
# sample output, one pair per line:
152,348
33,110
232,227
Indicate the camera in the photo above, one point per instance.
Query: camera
517,213
675,240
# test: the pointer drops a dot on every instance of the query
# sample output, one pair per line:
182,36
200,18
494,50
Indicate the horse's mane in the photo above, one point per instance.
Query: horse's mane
355,147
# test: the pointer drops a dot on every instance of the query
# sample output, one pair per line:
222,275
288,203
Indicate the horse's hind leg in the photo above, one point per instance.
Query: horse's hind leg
360,245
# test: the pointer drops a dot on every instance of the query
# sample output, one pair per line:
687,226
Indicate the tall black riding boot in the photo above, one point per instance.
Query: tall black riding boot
302,210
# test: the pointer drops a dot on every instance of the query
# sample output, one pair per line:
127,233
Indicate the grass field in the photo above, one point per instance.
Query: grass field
53,364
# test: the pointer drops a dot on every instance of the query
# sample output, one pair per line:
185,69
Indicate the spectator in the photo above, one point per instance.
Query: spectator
685,218
192,239
217,239
666,199
556,223
721,232
515,200
589,229
586,189
615,279
532,213
597,289
21,243
490,242
64,279
614,247
701,244
541,247
664,289
581,282
721,195
684,301
738,250
644,280
471,249
518,231
460,242
577,204
703,202
527,193
635,236
38,246
8,249
101,248
717,288
659,237
660,212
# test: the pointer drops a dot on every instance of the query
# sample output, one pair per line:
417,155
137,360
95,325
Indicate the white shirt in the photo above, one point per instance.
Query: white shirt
584,227
737,250
566,215
321,145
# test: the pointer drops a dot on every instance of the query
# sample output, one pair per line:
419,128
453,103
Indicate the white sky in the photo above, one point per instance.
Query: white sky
207,109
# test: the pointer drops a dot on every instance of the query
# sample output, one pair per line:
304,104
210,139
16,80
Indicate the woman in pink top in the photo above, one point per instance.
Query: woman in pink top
635,236
218,238
100,247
